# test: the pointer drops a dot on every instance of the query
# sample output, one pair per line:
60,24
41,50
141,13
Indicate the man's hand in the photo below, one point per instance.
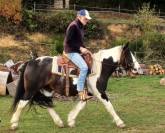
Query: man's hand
85,51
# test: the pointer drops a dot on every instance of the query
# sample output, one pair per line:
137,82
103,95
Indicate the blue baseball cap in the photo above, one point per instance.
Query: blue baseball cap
84,13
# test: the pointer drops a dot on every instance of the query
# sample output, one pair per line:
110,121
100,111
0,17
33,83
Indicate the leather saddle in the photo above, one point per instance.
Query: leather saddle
65,63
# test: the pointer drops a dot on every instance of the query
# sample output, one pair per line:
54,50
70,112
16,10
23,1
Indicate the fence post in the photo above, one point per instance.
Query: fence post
34,7
159,12
119,9
74,6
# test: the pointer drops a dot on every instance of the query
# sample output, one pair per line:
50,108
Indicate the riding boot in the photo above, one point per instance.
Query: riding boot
83,95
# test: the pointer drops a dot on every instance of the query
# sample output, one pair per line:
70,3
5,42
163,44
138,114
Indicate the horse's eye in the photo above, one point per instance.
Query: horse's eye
134,69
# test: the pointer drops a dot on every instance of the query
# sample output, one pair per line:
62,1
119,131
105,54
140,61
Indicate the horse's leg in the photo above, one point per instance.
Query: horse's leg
57,120
74,113
92,84
15,118
112,111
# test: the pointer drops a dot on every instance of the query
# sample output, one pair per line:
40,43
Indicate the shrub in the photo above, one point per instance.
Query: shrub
138,47
157,45
11,10
56,46
57,23
29,20
146,18
119,41
94,30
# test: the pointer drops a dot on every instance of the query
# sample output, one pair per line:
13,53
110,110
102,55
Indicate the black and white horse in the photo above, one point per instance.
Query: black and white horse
37,84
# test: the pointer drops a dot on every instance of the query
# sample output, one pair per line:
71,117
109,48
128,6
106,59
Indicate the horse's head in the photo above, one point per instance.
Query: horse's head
128,61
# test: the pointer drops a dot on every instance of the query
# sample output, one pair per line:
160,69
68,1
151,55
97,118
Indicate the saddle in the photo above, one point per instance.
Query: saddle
66,64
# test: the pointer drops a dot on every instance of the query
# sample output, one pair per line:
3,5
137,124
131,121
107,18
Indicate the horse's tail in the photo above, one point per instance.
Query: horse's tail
20,87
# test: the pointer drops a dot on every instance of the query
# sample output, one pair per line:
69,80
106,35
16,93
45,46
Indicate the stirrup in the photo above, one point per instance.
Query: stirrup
83,95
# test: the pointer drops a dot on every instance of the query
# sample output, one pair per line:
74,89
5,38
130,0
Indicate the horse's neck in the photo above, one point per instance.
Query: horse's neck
98,57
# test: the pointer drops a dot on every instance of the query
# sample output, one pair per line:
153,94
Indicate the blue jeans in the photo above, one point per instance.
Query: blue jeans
77,59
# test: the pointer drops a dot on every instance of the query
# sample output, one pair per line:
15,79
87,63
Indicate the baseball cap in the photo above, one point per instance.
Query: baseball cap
84,13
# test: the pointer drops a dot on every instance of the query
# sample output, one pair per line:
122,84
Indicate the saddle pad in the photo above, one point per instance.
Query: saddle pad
56,70
54,65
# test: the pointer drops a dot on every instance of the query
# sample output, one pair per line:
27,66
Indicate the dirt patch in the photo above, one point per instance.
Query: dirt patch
19,50
118,28
123,30
8,41
38,37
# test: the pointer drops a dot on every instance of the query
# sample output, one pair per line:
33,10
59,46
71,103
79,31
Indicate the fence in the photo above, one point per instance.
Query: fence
46,7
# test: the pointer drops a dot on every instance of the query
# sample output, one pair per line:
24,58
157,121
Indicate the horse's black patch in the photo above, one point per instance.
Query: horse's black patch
104,96
41,100
108,67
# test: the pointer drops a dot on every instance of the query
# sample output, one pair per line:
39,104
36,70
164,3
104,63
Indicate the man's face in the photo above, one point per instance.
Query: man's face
83,20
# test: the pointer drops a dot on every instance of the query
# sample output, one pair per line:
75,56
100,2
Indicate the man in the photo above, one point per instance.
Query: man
74,47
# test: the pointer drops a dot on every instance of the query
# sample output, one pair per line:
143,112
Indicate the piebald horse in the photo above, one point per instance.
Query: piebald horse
37,84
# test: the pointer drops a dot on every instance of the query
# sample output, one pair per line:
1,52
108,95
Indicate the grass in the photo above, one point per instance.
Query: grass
43,44
139,102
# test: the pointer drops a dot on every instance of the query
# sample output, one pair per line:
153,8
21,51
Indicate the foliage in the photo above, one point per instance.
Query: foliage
94,30
156,49
138,47
47,22
57,23
146,18
119,41
153,43
56,46
7,26
29,20
11,10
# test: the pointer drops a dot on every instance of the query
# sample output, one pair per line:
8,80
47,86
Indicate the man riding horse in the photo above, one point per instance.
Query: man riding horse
74,47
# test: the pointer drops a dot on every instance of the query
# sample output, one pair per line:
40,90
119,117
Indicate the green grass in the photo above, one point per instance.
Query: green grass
116,21
140,102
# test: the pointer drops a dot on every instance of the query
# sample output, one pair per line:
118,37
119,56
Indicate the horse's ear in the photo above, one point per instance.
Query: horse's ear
126,45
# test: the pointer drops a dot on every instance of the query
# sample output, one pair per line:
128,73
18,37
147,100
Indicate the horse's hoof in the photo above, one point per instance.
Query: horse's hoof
122,125
61,125
14,126
71,124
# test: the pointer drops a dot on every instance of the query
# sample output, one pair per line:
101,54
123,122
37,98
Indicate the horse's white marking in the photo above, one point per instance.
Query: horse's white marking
75,80
47,93
74,113
57,120
54,65
15,118
136,65
113,52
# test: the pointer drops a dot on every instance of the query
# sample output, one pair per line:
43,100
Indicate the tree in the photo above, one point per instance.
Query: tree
11,10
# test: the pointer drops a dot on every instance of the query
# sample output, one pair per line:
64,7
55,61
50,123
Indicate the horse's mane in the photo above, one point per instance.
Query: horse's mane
126,58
